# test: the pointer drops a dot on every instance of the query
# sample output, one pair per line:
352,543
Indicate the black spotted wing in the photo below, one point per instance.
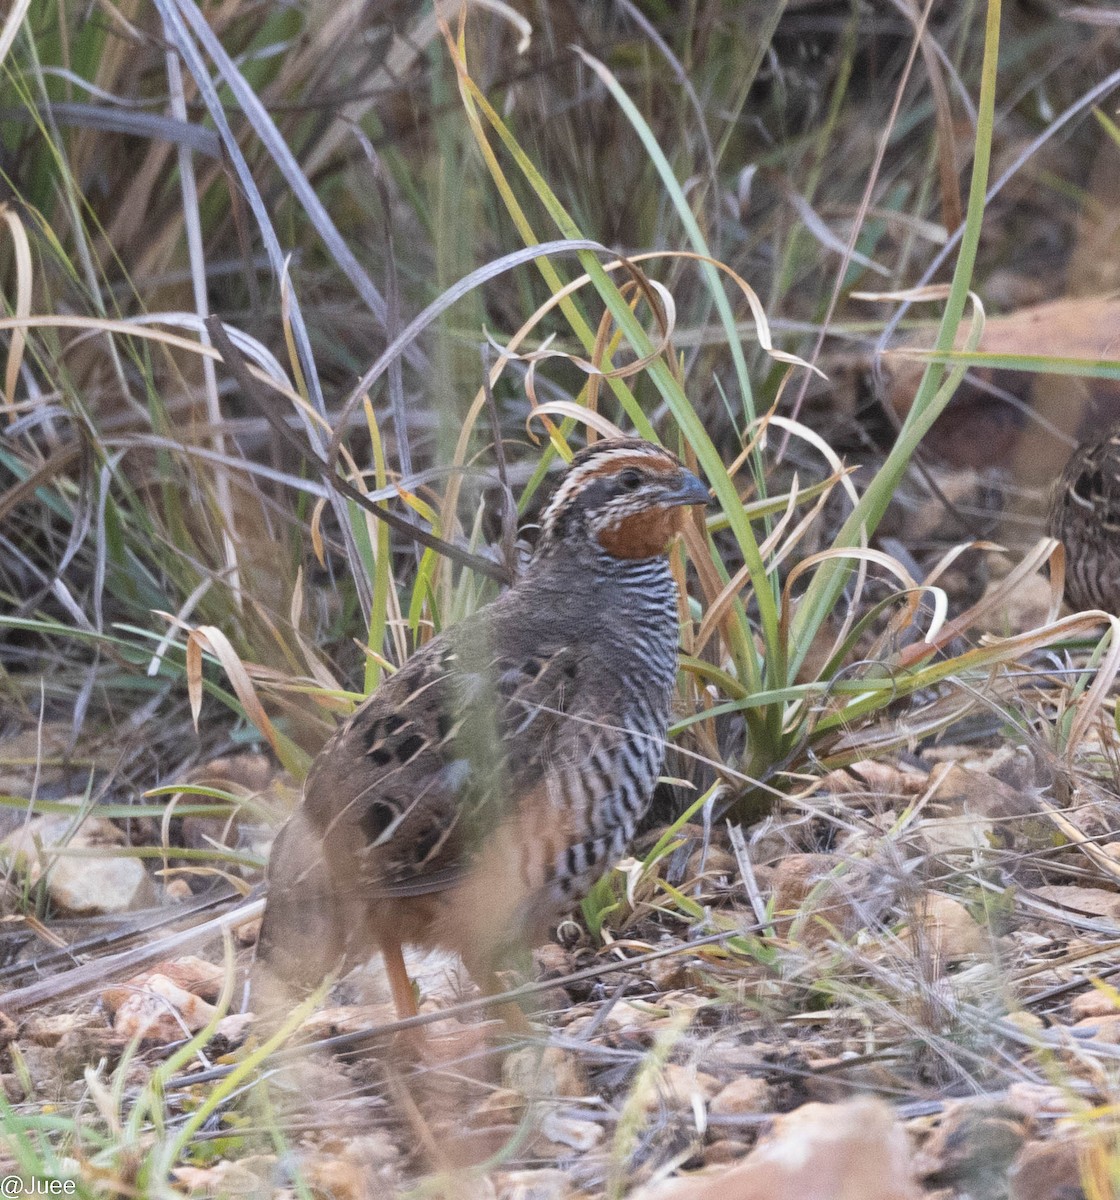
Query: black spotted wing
411,785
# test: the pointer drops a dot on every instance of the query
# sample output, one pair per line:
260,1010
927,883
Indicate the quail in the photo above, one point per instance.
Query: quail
1085,518
481,789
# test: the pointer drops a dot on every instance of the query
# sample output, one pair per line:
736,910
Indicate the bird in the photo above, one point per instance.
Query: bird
481,789
1085,517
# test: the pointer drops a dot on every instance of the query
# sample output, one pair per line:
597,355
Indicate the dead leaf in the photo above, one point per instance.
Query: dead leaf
1095,901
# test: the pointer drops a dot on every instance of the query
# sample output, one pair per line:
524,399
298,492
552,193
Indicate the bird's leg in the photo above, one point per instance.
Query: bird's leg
404,998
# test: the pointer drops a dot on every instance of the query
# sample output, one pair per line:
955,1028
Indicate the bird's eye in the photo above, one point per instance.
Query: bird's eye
630,480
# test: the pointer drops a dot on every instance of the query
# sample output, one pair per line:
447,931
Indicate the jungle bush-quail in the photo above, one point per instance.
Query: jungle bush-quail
480,789
1085,518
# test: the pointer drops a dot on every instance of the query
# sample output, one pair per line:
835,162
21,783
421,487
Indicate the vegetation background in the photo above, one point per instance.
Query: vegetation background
788,240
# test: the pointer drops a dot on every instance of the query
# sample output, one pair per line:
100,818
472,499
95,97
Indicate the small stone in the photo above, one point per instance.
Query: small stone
966,833
234,1028
742,1095
724,1151
1105,1029
856,1149
1047,1171
177,890
1095,1003
1043,1100
246,1177
157,1010
943,929
679,1085
625,1017
571,1132
545,1183
1026,607
537,1074
50,1030
820,896
80,885
86,887
1028,1022
248,933
974,1141
552,959
194,974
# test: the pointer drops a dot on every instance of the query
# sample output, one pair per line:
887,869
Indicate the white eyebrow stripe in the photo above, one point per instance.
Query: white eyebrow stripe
577,476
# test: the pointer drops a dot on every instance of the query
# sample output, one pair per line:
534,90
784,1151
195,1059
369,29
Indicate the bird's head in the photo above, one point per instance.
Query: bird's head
625,495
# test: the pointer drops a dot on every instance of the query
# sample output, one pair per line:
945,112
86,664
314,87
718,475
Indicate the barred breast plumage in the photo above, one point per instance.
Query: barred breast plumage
505,766
1085,517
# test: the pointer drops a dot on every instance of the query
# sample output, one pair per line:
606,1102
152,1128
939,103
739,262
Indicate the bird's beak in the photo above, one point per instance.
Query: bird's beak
690,490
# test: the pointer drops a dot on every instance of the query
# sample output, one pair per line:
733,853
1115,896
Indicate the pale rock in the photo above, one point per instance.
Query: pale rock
80,885
974,1141
967,834
816,1152
1043,1100
1105,1030
1028,1022
683,998
177,890
248,933
1027,606
817,896
680,1086
957,788
872,778
544,1183
1047,1170
552,959
742,1095
943,928
571,1132
625,1017
159,1010
245,1177
234,1027
1095,1003
85,887
49,1030
338,1178
537,1074
724,1151
195,974
345,1018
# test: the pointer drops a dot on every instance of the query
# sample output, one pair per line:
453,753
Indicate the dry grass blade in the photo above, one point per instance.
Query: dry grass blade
12,22
237,367
207,637
23,301
92,975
